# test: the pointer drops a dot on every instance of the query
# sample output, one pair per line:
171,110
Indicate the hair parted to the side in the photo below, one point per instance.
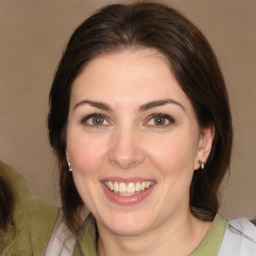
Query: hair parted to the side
150,25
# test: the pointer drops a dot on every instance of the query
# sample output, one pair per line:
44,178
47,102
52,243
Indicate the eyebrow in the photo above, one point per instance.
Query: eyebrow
144,107
158,103
95,104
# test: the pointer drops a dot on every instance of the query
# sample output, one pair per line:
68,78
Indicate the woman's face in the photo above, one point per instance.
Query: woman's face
133,141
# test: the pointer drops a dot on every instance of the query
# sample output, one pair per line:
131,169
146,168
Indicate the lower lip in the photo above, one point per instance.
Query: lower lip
126,200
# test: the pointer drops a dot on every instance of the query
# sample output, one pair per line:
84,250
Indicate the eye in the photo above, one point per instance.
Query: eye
95,119
160,120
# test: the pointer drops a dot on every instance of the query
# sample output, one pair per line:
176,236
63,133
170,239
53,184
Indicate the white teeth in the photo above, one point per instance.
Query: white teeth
116,187
148,183
110,185
128,189
122,187
143,185
137,187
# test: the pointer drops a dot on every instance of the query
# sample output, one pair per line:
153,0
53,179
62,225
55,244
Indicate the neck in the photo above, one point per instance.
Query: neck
179,237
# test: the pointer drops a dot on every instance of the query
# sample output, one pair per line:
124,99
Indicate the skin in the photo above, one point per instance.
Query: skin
129,143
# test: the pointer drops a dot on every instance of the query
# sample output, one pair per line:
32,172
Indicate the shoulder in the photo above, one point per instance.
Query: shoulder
239,238
33,219
12,176
25,203
28,209
243,227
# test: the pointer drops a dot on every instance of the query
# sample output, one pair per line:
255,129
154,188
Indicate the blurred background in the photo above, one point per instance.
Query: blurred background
33,35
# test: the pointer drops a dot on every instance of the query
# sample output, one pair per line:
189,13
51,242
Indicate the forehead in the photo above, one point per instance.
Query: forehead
128,64
127,57
128,76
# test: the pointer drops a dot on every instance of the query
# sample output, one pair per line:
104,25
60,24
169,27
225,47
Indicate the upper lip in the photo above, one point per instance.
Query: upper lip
127,180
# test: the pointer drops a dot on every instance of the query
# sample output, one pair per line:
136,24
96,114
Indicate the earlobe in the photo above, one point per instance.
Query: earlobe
69,166
201,164
68,161
205,146
67,156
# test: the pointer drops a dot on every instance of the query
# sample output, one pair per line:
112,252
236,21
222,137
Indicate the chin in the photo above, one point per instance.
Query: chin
130,224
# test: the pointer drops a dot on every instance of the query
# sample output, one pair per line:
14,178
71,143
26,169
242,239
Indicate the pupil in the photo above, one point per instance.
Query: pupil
97,120
159,120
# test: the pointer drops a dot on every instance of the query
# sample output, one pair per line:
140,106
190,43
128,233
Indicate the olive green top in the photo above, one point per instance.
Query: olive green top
86,244
33,219
212,241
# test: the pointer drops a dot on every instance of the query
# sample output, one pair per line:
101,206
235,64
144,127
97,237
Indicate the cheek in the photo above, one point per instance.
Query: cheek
175,154
86,153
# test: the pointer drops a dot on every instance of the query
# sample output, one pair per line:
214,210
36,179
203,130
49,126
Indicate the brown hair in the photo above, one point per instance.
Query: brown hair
150,25
7,202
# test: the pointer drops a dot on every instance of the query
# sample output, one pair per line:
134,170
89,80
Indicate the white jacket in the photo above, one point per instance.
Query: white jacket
239,239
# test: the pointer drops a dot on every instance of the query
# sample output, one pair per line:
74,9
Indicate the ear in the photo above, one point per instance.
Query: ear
204,145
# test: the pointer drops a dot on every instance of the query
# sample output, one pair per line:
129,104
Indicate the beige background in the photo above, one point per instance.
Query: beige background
33,34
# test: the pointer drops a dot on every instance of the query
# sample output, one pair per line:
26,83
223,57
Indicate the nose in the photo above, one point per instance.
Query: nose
126,149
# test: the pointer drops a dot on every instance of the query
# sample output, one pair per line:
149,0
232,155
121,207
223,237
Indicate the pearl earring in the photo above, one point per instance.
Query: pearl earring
201,164
69,165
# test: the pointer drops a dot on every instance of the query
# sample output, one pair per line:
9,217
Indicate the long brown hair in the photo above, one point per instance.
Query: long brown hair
148,25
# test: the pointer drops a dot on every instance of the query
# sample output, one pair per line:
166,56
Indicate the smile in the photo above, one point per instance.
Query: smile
127,192
128,189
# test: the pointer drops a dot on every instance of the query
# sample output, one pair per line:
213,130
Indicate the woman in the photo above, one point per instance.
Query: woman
140,122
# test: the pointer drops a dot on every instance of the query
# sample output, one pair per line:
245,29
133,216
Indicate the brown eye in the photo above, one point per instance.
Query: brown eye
160,120
97,120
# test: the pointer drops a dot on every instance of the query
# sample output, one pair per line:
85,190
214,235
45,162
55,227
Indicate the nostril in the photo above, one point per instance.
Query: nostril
127,161
124,150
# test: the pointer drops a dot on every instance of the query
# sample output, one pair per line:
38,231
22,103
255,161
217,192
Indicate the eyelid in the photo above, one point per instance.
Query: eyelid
168,117
87,117
163,115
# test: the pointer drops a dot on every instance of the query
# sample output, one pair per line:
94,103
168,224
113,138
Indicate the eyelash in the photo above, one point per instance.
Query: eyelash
161,115
85,119
170,119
